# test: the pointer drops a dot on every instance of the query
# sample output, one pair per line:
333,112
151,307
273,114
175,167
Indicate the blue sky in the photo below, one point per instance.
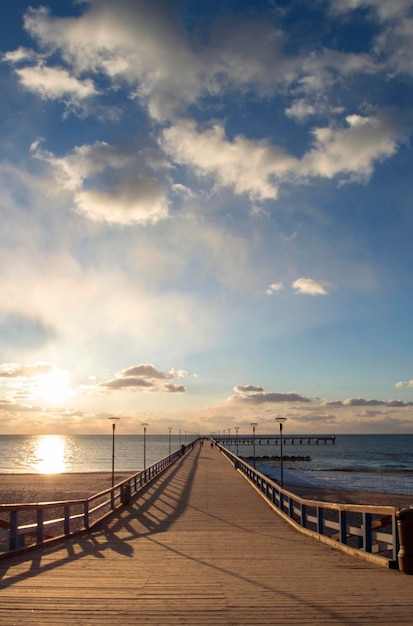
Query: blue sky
206,215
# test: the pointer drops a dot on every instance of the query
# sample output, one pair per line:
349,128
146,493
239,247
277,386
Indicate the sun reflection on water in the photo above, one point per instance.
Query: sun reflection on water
49,454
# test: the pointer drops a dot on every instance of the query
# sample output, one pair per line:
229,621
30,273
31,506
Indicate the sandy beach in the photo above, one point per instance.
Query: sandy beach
19,488
352,497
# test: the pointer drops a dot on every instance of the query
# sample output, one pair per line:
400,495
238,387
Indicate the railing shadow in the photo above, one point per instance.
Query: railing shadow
166,489
106,532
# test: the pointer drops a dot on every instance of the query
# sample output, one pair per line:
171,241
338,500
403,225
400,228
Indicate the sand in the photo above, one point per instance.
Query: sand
352,497
20,488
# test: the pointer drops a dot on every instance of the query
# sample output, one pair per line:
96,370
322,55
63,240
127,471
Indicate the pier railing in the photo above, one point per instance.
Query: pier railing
368,531
31,524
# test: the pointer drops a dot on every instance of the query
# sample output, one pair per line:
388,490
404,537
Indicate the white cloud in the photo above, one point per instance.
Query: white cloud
392,46
19,55
352,151
51,83
142,45
401,384
248,166
322,70
273,288
309,286
257,168
395,45
301,109
304,108
137,43
112,184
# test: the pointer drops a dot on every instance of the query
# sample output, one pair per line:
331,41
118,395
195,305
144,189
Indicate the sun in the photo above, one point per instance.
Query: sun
53,387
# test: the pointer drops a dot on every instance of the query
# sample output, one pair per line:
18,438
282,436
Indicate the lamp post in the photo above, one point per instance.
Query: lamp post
113,420
253,424
179,437
236,437
170,430
281,421
144,424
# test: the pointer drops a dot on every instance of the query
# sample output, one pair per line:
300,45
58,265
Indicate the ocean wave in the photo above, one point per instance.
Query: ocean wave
395,482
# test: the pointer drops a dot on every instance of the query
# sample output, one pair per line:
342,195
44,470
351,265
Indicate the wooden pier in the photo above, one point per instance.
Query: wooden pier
242,440
199,546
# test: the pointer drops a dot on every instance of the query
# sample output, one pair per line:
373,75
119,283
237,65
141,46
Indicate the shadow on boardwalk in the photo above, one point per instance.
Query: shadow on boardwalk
171,488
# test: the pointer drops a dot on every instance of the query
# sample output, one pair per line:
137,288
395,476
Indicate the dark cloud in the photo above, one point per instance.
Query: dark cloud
171,388
364,402
145,370
126,381
145,377
261,397
328,418
247,388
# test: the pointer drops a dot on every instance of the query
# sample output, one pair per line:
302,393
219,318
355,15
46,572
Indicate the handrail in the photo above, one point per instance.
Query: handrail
36,522
368,531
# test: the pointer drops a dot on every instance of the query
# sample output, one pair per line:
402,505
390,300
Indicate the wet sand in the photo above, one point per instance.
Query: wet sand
22,488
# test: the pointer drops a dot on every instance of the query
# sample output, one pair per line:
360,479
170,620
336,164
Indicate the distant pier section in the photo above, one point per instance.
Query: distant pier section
231,440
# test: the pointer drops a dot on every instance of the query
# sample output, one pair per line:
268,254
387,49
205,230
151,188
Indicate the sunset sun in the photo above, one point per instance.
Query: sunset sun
53,387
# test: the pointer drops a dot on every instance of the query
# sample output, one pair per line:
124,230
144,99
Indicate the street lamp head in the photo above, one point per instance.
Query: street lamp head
114,420
144,424
281,420
253,424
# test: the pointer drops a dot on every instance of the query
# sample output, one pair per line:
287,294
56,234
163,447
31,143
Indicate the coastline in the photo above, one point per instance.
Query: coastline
25,488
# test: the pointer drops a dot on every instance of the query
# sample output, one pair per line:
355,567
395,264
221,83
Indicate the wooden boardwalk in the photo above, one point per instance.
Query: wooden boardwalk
199,547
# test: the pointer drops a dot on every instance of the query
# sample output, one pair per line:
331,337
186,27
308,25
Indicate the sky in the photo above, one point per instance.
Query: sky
206,216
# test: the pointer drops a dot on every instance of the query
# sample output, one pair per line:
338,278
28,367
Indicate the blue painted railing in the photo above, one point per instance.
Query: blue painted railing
31,524
369,531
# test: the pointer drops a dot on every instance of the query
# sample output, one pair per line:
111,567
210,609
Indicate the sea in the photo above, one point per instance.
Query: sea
381,463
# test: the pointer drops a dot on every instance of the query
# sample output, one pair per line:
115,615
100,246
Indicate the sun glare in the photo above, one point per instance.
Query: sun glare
53,387
50,454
